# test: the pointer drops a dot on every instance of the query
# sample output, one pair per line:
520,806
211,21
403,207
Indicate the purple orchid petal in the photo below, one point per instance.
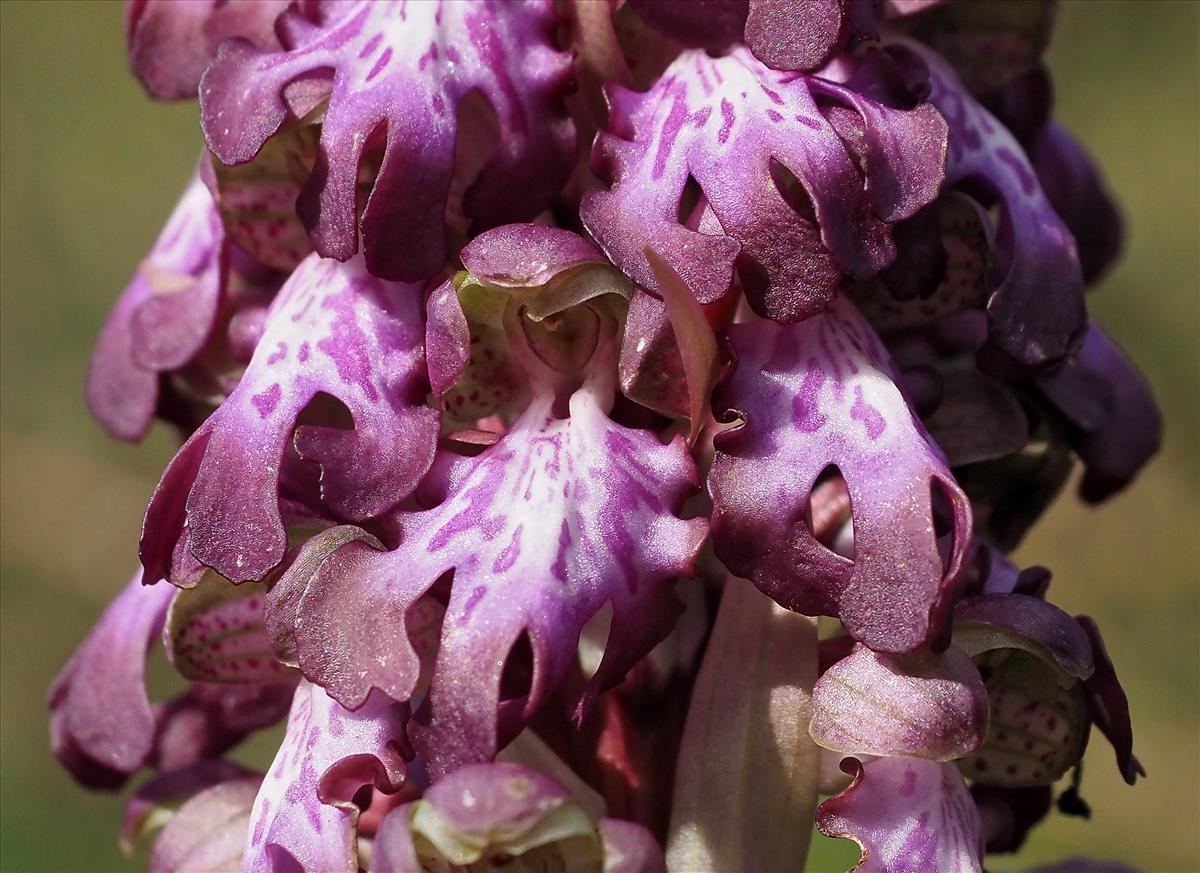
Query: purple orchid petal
162,319
541,529
803,34
919,705
1036,312
208,832
333,329
304,817
978,419
102,726
171,41
404,70
1073,184
738,128
1116,425
527,255
908,815
822,393
1108,704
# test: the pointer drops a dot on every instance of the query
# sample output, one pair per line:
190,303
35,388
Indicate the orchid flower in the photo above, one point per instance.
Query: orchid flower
543,374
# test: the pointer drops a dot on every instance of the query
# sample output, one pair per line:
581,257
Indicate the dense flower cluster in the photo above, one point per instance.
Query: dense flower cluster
543,370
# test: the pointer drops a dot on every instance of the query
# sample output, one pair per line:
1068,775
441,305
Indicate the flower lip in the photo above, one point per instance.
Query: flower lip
404,70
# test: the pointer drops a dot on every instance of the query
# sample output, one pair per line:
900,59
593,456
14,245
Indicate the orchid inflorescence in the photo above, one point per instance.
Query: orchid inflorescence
543,371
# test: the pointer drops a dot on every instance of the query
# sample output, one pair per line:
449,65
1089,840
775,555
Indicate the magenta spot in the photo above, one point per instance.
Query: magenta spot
472,602
806,405
909,785
727,123
380,64
774,116
980,764
809,122
774,95
867,414
266,401
509,554
372,44
279,354
302,352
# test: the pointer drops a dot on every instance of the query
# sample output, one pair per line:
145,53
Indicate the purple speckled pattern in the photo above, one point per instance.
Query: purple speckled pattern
214,633
908,815
333,328
162,319
1036,312
405,68
723,122
921,705
303,817
819,393
102,727
542,529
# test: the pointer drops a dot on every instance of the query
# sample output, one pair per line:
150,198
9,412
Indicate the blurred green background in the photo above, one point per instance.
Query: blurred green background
90,169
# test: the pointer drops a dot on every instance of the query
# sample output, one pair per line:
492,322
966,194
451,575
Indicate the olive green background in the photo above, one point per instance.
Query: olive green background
90,169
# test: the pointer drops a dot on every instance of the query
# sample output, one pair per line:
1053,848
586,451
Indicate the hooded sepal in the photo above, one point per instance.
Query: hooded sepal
1035,311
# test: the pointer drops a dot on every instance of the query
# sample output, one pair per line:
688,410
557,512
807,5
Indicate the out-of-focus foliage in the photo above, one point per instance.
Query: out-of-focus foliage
90,168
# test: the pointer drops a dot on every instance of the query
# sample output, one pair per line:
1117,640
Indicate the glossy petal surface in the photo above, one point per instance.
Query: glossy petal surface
403,69
821,393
